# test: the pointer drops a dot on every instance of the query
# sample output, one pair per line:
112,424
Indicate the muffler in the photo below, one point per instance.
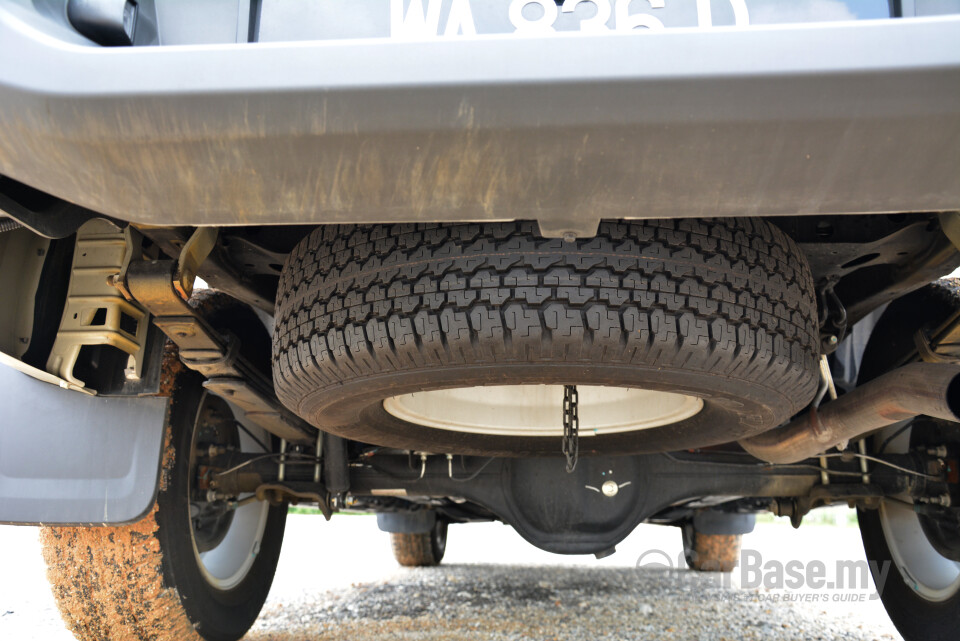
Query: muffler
931,389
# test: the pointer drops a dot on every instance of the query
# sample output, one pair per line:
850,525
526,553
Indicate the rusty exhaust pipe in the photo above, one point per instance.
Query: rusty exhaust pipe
931,389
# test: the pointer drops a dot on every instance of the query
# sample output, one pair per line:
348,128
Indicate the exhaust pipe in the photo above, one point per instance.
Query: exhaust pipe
931,389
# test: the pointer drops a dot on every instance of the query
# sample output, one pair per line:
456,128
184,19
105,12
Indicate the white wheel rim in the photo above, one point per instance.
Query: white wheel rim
226,565
537,410
931,575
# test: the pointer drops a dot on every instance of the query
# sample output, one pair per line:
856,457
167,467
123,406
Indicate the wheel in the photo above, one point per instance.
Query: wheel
192,568
420,550
710,552
460,338
915,560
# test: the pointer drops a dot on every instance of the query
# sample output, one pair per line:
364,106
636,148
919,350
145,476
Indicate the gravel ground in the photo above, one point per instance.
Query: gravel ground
495,586
500,603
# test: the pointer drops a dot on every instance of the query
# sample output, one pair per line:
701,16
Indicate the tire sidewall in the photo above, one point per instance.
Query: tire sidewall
438,540
732,408
916,618
218,615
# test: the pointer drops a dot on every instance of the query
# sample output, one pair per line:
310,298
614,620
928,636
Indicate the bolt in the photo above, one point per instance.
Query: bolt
610,488
569,236
940,451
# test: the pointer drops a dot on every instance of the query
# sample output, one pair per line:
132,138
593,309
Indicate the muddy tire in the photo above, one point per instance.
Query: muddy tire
718,311
420,550
174,575
711,552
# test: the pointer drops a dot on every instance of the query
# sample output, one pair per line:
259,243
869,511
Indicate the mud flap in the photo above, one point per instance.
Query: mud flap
67,458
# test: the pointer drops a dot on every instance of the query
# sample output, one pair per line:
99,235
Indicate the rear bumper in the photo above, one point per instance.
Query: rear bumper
823,118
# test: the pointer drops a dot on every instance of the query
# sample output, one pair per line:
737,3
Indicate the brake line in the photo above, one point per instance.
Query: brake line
867,457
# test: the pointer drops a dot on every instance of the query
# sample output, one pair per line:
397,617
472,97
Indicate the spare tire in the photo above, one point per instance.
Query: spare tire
679,334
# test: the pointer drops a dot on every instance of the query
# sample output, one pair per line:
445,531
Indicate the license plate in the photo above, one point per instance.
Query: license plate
284,20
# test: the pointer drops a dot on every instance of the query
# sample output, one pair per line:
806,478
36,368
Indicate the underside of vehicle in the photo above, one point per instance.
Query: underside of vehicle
402,276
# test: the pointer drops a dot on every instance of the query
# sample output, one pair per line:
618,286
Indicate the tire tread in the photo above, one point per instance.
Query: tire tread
734,296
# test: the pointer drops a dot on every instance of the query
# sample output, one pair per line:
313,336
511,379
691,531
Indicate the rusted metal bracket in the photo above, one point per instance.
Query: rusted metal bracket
866,495
279,493
194,252
942,345
158,286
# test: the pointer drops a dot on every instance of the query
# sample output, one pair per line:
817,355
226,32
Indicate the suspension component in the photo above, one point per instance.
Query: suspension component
163,288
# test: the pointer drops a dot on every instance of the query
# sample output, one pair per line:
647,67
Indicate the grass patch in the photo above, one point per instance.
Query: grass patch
827,517
306,509
302,509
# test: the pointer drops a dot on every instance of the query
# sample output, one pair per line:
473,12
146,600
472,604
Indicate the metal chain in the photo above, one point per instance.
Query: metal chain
571,427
